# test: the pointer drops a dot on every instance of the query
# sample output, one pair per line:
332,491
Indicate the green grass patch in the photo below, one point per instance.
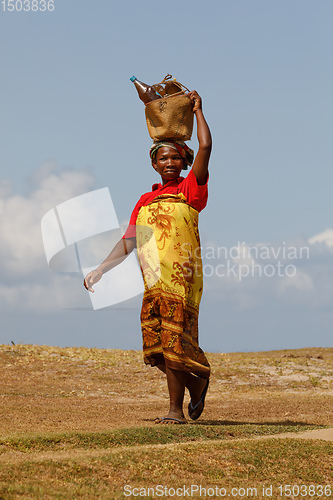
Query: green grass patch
225,464
160,434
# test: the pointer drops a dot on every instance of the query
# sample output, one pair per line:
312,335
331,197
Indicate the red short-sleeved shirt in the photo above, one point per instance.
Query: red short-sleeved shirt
195,195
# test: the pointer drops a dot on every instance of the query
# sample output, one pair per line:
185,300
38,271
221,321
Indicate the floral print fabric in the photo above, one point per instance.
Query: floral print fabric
168,246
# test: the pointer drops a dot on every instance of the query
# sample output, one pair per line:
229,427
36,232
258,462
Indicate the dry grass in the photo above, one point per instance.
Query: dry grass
78,423
222,464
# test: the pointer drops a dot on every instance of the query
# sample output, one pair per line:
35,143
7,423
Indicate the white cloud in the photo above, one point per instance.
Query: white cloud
27,282
326,237
21,250
60,291
301,281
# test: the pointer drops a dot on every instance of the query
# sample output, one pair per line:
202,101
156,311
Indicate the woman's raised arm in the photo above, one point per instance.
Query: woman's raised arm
200,165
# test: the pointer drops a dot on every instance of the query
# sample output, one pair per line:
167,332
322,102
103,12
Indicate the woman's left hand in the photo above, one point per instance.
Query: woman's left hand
196,99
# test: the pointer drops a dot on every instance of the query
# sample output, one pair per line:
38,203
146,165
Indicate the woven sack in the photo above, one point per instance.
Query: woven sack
170,118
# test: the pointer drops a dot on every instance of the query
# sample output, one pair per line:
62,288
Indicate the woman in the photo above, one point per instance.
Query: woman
164,227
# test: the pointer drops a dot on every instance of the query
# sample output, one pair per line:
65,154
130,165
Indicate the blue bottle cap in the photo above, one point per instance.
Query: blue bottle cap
133,78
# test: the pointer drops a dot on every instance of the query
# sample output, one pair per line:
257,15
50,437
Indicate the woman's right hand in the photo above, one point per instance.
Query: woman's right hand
92,278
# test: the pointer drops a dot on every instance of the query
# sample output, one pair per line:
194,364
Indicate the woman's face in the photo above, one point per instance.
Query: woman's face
168,163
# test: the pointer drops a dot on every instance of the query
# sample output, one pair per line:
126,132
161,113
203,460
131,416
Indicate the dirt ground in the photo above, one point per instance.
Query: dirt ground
77,389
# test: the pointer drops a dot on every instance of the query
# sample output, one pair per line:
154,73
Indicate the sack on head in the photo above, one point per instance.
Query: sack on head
170,117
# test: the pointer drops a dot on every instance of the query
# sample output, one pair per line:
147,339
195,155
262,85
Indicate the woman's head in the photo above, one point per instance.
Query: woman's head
185,152
168,162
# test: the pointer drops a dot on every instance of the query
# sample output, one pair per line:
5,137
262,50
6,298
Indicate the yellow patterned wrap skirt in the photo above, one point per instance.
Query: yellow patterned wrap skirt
168,247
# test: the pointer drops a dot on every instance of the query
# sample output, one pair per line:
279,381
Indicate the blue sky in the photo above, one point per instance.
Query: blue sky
71,122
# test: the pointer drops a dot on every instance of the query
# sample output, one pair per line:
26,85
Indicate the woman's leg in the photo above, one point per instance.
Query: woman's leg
196,386
176,384
177,381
